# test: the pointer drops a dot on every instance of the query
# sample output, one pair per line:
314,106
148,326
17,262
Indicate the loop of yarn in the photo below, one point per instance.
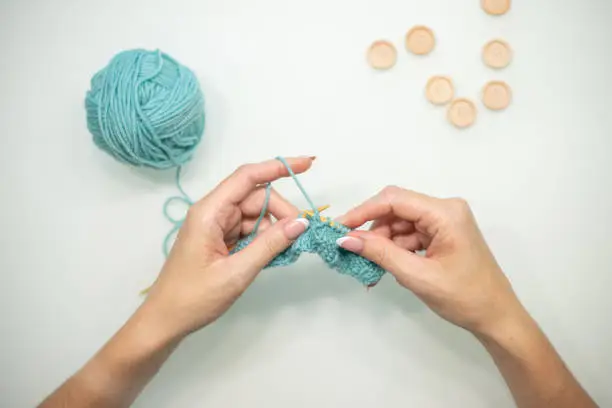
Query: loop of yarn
177,222
146,109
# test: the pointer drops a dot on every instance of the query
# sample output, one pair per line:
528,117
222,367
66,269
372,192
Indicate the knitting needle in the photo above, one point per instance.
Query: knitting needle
311,212
320,209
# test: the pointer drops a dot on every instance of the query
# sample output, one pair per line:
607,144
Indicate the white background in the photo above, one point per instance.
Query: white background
81,234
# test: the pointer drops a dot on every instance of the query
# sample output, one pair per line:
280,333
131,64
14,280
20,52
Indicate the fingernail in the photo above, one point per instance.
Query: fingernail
313,158
350,244
296,228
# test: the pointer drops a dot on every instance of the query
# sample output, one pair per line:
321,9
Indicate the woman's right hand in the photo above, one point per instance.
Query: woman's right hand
458,278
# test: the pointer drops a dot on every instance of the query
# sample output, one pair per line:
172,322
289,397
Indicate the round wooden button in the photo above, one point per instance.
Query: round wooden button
462,113
439,90
496,7
497,54
382,55
496,95
420,40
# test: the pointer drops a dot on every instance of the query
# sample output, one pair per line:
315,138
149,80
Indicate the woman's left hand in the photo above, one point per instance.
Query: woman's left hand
200,279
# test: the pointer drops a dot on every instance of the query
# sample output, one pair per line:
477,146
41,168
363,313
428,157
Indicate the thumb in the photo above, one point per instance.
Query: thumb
269,244
402,264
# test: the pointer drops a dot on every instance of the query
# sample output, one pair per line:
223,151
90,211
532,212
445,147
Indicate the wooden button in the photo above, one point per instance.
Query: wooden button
462,113
496,7
439,90
497,54
382,55
420,40
496,95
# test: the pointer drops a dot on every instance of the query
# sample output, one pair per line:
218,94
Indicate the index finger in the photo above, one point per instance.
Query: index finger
405,204
247,177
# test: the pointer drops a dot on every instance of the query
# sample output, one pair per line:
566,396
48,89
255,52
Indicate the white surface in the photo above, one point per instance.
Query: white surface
81,234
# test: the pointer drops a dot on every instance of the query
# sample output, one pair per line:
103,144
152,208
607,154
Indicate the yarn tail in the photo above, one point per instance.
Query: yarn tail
178,222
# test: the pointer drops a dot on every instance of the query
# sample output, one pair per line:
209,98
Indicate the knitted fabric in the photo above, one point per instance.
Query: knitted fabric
320,238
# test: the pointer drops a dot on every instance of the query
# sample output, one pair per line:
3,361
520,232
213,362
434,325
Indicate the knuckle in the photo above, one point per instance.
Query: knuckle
244,169
195,213
459,208
281,170
459,204
196,223
389,193
391,189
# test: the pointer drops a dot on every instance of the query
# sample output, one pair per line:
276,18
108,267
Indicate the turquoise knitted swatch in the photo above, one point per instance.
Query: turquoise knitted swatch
320,238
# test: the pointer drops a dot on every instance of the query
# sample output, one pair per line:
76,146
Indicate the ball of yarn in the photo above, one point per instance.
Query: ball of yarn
146,109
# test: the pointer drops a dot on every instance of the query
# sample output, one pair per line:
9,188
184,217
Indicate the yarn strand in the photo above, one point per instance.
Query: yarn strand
299,185
264,208
178,222
177,180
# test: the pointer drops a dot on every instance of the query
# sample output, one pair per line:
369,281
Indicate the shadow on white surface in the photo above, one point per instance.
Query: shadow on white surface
251,328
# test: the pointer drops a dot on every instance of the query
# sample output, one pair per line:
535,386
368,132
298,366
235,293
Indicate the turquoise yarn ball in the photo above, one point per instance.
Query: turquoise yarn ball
146,109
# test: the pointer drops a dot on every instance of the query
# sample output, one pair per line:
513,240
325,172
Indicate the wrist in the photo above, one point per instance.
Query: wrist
515,326
140,339
151,328
132,356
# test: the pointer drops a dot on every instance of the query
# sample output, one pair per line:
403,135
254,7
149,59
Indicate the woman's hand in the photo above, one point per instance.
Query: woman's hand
458,277
199,282
200,279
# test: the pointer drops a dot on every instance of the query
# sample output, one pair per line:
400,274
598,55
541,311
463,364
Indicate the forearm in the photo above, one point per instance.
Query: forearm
119,371
534,372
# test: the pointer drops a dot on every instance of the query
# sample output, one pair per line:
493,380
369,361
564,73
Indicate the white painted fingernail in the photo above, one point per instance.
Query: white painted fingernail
296,228
350,244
